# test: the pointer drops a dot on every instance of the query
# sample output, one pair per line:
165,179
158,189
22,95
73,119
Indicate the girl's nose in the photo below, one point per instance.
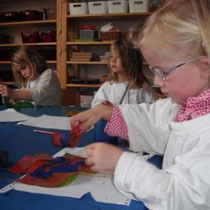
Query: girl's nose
23,74
157,81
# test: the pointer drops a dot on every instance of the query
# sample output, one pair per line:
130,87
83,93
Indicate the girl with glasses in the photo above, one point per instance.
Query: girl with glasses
127,83
38,84
175,42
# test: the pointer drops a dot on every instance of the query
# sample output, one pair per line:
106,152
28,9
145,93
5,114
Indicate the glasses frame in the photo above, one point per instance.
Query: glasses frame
166,72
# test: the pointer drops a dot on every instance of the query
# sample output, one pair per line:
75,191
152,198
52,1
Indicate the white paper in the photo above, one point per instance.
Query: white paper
78,151
99,185
47,121
11,115
101,189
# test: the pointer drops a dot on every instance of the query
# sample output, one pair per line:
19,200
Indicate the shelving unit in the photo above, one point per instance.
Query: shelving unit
24,23
73,67
29,44
15,27
63,25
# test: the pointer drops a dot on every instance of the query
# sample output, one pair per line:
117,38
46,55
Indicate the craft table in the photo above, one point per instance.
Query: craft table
20,140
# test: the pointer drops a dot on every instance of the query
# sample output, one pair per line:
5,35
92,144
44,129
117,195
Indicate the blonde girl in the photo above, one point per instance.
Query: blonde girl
38,83
176,43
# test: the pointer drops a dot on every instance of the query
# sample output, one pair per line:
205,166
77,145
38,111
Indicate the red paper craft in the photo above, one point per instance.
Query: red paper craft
32,165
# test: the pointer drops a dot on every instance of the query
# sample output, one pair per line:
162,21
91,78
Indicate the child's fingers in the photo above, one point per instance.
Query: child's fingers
107,103
89,161
89,150
85,126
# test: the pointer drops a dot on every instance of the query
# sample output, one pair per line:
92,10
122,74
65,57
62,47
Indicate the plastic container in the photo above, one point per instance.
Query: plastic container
100,136
88,32
118,6
78,8
98,7
138,6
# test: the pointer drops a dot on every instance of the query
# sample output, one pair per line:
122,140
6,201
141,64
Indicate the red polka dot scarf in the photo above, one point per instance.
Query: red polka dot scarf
195,107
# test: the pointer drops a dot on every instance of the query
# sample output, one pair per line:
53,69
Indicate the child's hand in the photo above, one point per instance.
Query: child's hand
87,119
5,91
102,156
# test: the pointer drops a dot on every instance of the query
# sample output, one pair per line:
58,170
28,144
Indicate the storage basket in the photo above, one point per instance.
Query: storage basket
28,15
98,7
9,16
78,8
138,6
30,37
47,36
110,35
120,6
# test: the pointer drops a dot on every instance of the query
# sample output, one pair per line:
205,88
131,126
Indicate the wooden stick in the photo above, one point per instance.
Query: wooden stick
44,132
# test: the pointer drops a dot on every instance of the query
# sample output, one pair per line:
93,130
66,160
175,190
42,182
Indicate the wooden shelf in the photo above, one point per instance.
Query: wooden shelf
109,16
8,83
91,43
5,62
9,62
22,23
51,62
83,85
28,44
87,62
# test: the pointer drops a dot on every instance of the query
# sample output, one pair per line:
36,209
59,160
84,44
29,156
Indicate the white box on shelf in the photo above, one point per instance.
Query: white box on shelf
78,8
138,6
97,7
120,6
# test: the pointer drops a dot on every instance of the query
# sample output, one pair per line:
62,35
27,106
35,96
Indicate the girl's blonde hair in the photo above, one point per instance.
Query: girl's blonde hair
179,29
27,56
131,60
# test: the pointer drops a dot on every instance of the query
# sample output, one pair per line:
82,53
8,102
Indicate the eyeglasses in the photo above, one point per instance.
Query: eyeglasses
164,73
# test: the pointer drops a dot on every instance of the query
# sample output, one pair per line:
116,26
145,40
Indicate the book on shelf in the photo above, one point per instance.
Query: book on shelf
80,59
82,54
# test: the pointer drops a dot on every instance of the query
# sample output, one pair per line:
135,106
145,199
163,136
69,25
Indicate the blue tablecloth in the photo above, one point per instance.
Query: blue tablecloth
20,140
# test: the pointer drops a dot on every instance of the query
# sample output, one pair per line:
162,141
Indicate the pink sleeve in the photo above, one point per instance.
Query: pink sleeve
117,126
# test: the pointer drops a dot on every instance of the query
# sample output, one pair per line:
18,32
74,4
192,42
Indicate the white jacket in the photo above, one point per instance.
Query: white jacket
184,181
45,90
113,92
